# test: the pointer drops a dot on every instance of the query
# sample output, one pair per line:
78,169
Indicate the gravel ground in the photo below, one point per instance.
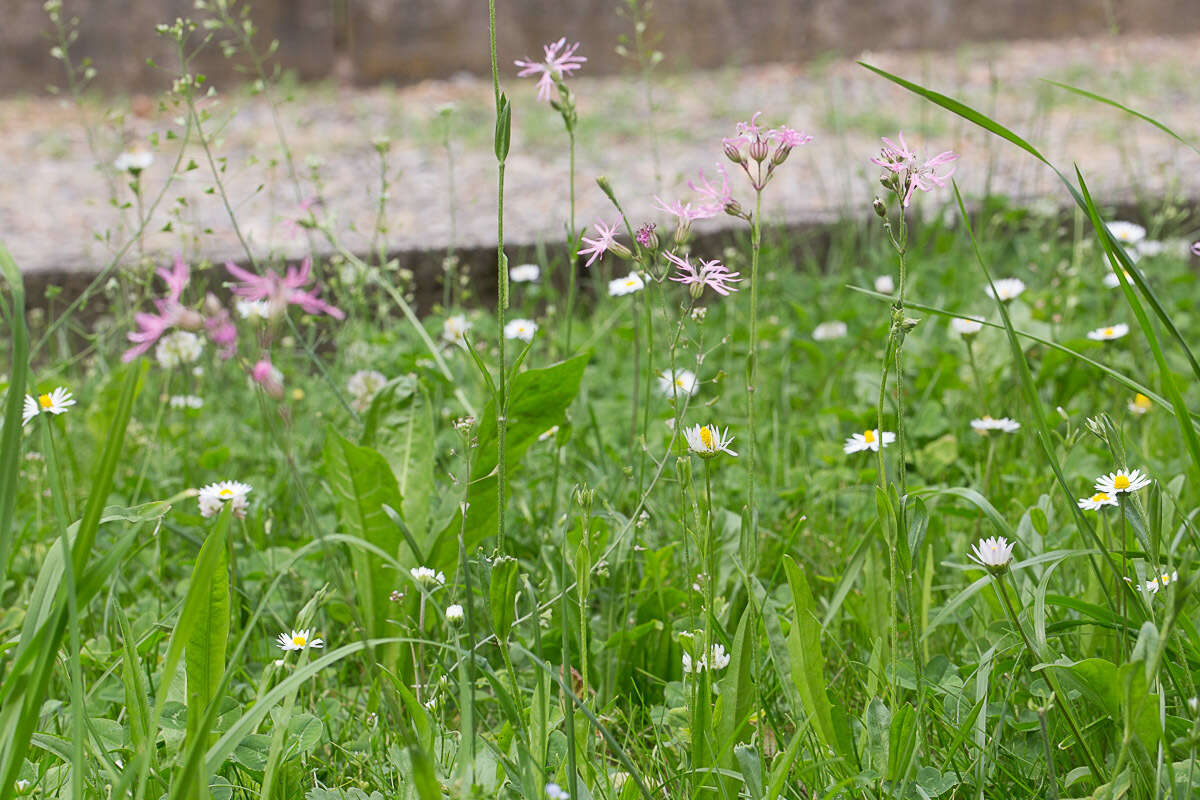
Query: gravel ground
65,210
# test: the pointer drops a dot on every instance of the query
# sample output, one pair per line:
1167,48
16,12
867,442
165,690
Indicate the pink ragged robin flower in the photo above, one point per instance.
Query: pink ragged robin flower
171,312
758,144
605,240
281,291
220,327
1196,248
712,274
266,375
646,236
559,62
911,174
718,199
684,212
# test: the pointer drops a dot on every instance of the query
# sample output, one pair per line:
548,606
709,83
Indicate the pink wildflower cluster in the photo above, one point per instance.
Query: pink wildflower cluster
604,242
712,274
173,314
906,170
758,144
560,60
280,291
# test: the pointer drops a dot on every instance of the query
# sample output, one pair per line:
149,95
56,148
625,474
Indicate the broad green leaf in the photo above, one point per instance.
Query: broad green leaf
502,596
808,662
399,424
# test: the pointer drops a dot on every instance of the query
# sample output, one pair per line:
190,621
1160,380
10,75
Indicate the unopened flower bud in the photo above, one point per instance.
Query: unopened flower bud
696,290
269,378
781,154
880,208
620,251
734,209
759,150
190,320
734,154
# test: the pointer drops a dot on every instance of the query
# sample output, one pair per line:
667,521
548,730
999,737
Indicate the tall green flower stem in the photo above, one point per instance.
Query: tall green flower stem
503,130
752,370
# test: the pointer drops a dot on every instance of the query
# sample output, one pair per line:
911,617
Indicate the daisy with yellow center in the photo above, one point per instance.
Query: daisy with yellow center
628,285
681,382
215,495
868,440
1122,481
1097,501
1108,333
1140,405
299,640
56,402
986,423
707,441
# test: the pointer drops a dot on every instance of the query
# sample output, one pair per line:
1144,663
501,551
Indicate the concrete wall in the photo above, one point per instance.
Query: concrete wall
409,40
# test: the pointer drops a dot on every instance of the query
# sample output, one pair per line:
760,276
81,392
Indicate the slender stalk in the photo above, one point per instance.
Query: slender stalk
501,302
573,244
752,368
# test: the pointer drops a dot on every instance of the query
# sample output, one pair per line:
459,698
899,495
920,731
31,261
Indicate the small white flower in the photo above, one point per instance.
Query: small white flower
986,423
134,160
363,386
56,402
186,401
22,785
454,614
556,792
549,433
628,285
868,440
716,659
965,326
178,347
994,553
1122,481
884,284
1006,288
522,329
827,331
707,441
1140,404
678,382
1096,501
1112,281
1108,333
1127,232
1151,248
1154,584
299,640
525,273
215,494
454,330
428,576
253,309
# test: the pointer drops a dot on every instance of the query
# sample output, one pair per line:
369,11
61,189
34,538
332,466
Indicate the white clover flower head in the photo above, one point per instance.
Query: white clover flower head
178,347
1108,333
298,640
868,440
427,576
827,331
994,553
522,329
185,401
454,330
1006,289
556,792
631,283
708,441
1126,232
716,659
363,386
55,402
525,273
680,382
133,160
966,326
252,309
985,424
1140,404
1122,481
454,614
1097,501
214,495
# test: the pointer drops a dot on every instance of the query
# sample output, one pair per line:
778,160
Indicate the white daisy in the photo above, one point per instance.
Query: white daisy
299,640
965,326
993,553
525,273
868,440
1151,248
1140,404
884,284
185,401
707,441
56,402
1112,281
253,309
716,659
678,382
454,614
1122,481
827,331
178,347
454,330
1127,232
522,329
986,423
134,160
428,576
628,285
1096,501
215,494
1108,333
363,386
1006,288
556,792
1154,584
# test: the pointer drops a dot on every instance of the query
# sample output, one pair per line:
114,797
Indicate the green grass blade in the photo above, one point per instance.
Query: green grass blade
1108,101
10,439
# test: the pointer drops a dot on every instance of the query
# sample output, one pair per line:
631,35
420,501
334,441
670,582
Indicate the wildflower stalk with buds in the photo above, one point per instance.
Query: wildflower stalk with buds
503,131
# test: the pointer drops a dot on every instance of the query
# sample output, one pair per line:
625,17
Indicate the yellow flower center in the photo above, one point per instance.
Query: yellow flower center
44,401
1121,482
1141,401
868,436
298,641
706,437
226,492
1108,331
1099,497
1166,579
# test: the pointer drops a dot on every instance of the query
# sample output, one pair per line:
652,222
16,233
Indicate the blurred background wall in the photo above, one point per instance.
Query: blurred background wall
405,41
